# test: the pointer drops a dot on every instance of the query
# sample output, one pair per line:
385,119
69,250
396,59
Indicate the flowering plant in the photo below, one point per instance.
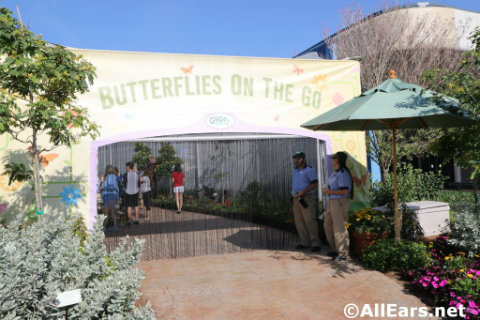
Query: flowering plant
368,220
452,279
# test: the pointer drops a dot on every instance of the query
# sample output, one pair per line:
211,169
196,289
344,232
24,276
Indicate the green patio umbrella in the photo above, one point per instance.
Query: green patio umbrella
392,105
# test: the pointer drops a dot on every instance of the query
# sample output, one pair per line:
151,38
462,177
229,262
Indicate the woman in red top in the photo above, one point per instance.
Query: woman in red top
178,178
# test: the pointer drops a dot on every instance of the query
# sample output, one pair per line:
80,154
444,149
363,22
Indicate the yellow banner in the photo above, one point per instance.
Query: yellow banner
139,95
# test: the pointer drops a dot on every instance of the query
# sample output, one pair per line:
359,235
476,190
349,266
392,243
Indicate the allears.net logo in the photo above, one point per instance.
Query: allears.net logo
394,311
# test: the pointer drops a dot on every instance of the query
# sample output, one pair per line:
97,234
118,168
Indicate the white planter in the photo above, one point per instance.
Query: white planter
433,216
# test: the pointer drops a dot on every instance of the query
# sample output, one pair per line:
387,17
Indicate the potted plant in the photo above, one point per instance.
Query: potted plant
365,226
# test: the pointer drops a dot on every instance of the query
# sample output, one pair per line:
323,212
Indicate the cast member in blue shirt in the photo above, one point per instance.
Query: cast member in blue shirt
304,184
340,193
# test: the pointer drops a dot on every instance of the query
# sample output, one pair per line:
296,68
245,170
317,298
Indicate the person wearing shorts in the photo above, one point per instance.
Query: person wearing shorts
178,178
110,196
130,182
146,191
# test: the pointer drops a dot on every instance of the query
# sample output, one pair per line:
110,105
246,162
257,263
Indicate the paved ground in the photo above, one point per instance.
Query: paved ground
264,285
233,269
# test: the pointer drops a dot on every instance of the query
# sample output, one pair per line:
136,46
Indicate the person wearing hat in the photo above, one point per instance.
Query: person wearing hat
304,184
340,193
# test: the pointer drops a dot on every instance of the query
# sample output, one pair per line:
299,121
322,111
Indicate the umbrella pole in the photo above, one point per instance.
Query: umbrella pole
397,214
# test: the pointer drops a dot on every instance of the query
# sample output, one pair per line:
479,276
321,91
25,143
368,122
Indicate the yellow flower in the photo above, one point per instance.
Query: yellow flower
358,219
347,225
447,258
470,275
462,270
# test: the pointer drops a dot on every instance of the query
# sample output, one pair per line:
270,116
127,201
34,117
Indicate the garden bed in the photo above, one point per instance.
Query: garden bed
265,220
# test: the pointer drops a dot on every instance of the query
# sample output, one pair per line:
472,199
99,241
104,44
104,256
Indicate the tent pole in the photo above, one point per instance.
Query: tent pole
397,214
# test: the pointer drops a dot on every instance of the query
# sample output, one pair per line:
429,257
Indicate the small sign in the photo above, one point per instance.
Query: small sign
220,121
68,298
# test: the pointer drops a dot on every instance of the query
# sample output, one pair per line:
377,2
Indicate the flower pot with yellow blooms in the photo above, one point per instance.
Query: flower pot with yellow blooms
365,226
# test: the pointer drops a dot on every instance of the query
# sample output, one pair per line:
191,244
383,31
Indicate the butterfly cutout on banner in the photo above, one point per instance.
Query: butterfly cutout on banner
45,159
187,70
297,70
320,80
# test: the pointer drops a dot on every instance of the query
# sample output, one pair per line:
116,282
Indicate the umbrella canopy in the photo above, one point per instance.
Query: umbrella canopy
393,105
408,106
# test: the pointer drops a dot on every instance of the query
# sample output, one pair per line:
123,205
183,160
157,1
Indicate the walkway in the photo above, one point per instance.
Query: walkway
264,285
189,234
233,269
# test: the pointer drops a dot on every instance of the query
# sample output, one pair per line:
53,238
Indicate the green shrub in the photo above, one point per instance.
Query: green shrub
42,259
413,185
465,232
411,228
454,196
388,255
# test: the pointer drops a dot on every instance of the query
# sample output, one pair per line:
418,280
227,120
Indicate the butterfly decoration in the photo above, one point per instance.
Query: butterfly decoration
187,70
3,207
70,195
360,181
45,159
277,117
356,69
320,80
297,70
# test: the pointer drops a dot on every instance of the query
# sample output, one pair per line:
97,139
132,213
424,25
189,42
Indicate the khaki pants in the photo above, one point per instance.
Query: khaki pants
335,227
305,221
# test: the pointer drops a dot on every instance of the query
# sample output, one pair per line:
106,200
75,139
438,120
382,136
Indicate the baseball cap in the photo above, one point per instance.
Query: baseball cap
299,154
339,155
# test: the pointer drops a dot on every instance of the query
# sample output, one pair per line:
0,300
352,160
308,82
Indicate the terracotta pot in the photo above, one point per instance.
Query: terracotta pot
360,241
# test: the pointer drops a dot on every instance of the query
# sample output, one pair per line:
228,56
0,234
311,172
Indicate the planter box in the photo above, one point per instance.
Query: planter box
360,241
433,216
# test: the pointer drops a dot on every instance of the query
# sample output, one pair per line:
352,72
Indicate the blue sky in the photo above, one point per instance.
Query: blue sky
245,28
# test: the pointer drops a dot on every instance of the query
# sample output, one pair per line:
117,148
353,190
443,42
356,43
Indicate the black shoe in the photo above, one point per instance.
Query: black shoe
300,247
316,249
332,254
136,222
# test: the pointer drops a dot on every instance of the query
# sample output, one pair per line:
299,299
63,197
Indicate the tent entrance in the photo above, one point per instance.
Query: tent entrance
252,171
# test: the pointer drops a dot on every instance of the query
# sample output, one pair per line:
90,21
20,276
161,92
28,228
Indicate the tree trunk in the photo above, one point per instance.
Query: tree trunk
36,176
36,169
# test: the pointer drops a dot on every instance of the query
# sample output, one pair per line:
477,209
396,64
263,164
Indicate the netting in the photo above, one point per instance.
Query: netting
253,170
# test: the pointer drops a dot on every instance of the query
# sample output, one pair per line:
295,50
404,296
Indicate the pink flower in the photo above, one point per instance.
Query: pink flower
472,311
472,304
